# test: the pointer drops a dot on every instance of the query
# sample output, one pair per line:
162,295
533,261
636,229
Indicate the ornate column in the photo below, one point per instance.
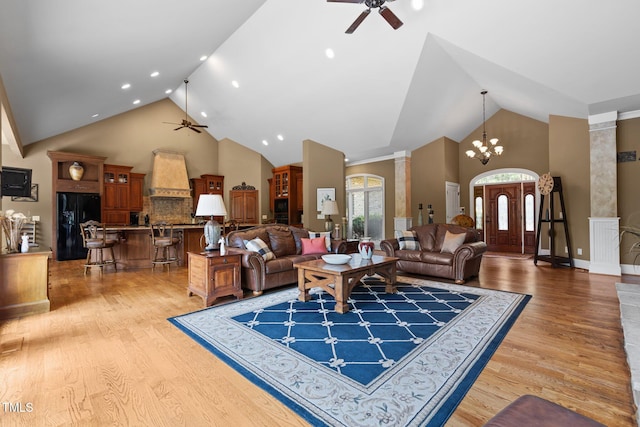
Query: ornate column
604,223
402,219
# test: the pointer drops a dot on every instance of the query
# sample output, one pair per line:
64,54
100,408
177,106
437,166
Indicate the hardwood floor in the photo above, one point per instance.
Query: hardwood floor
106,355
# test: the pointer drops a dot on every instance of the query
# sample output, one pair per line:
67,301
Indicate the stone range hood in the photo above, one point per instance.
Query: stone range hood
169,178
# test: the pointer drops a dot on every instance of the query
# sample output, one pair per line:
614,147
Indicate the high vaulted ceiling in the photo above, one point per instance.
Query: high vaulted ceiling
384,91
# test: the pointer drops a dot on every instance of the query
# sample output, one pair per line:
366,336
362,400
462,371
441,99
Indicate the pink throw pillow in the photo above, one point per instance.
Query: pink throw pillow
313,246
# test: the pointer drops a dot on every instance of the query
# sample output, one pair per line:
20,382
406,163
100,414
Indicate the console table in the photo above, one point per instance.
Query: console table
24,284
212,276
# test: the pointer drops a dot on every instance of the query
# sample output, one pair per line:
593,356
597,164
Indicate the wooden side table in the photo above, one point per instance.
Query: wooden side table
212,276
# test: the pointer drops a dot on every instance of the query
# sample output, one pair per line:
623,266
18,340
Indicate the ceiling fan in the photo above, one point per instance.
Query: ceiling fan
185,122
386,13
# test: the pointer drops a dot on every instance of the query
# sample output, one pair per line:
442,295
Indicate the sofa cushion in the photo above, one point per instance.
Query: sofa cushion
237,238
316,245
298,234
408,240
279,265
438,258
259,246
281,241
452,242
325,234
409,255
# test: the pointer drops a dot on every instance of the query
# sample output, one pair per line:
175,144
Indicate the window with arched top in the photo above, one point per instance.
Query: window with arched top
503,212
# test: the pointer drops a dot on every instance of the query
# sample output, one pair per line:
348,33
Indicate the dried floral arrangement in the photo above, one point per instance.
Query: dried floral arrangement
12,223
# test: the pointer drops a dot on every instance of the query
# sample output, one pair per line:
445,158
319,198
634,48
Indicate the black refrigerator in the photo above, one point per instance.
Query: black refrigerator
72,210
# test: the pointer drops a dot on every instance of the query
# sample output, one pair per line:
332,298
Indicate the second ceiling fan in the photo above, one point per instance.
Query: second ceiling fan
186,123
386,13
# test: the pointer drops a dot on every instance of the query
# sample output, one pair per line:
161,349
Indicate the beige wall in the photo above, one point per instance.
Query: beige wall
240,164
428,176
628,136
126,139
525,142
385,169
323,167
569,159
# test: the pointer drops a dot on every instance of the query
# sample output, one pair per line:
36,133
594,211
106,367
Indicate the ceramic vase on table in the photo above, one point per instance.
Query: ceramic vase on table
365,247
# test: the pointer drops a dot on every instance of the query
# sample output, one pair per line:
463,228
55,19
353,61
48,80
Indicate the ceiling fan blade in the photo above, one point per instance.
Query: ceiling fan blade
171,123
194,129
180,127
358,21
200,126
390,17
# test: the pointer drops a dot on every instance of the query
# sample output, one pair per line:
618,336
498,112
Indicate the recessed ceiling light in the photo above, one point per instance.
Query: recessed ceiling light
235,84
95,115
417,4
136,102
155,74
280,137
203,57
330,53
168,91
125,86
203,113
265,142
346,160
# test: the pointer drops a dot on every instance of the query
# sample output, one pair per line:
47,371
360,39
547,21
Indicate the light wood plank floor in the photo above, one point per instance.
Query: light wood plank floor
106,355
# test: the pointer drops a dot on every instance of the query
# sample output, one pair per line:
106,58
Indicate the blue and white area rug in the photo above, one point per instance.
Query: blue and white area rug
404,359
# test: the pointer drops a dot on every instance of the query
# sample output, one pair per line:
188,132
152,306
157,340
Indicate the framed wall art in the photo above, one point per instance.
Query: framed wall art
324,194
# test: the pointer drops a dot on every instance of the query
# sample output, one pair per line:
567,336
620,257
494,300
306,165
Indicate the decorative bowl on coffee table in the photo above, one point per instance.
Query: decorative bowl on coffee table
336,258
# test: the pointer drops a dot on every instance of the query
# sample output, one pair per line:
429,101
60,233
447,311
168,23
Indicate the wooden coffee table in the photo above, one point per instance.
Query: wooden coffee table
339,280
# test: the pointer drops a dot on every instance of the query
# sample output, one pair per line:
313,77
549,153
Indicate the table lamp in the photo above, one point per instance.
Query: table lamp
329,207
211,205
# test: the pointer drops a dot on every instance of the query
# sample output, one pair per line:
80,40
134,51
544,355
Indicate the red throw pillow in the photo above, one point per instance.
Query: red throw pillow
313,246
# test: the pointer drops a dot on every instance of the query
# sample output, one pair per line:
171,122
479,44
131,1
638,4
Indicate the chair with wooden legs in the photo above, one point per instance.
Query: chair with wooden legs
94,238
163,241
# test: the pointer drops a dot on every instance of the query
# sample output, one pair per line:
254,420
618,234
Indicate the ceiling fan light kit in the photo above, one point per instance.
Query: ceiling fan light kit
485,150
384,11
186,123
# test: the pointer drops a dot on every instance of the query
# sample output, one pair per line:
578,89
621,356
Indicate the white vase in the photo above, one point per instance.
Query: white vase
24,247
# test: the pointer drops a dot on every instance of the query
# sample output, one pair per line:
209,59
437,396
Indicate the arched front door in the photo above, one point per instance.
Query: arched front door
506,211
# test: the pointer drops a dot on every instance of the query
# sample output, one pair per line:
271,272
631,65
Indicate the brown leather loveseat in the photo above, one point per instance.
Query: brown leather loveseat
258,273
437,250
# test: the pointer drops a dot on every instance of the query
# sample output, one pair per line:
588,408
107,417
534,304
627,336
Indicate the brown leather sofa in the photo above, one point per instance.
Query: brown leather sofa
285,242
463,263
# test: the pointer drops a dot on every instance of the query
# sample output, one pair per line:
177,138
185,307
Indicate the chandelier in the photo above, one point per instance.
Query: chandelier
485,151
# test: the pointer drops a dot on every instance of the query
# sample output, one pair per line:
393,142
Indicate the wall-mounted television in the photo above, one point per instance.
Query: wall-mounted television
15,182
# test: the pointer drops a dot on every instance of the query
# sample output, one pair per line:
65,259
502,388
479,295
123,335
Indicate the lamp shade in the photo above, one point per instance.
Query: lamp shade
330,207
211,205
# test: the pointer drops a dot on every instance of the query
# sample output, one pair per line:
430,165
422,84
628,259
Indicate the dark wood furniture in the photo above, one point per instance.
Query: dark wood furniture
165,245
61,182
244,206
95,239
339,280
24,284
207,184
212,276
286,194
115,200
136,192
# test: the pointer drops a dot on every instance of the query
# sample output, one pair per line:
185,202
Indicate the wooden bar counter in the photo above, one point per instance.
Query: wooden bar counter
24,284
135,250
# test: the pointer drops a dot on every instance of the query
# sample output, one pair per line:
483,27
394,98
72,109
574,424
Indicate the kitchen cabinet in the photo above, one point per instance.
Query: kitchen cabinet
206,184
244,206
116,199
136,188
286,194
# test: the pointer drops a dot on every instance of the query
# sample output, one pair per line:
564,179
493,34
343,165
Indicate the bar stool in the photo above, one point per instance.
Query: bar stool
94,239
163,240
